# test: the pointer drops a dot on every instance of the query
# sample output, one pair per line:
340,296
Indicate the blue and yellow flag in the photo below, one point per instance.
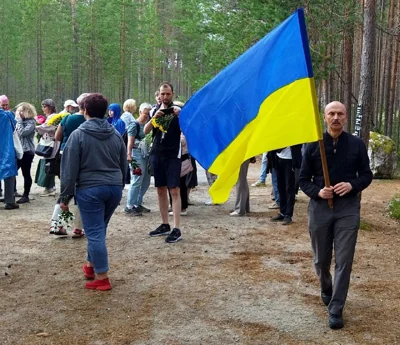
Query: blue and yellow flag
262,101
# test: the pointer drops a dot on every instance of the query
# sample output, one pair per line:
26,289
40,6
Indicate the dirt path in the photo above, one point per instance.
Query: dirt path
230,281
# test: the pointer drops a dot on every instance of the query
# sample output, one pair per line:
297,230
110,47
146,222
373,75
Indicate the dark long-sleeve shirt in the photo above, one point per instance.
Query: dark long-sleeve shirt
350,163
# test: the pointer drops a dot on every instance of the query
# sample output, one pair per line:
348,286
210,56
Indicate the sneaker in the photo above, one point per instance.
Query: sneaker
236,214
143,209
258,184
183,213
163,229
209,202
99,284
174,236
134,211
88,272
77,233
274,206
287,220
169,208
335,321
48,192
278,218
11,206
60,232
23,200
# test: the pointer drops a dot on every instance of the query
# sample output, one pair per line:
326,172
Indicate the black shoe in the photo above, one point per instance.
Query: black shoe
143,209
287,220
17,195
11,206
163,229
174,236
134,211
23,200
1,199
336,321
278,218
326,296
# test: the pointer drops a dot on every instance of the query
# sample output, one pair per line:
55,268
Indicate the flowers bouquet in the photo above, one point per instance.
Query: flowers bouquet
136,170
40,119
162,122
56,119
64,221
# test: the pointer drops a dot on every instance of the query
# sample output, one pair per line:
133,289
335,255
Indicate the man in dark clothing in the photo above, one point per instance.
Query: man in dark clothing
286,161
165,161
337,227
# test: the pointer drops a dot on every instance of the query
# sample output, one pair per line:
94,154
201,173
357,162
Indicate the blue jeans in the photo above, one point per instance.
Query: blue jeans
96,205
275,186
139,184
264,166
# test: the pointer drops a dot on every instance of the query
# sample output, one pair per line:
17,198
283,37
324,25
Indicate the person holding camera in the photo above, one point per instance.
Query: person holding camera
165,161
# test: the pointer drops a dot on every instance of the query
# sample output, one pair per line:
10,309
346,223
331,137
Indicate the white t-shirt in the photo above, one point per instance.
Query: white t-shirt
286,153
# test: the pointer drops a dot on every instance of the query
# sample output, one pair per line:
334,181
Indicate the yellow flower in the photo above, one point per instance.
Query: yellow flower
56,119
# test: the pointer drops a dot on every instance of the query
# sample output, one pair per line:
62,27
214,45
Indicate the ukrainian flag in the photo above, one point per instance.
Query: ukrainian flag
262,101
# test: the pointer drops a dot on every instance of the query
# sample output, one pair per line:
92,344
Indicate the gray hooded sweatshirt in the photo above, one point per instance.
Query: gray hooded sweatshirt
94,155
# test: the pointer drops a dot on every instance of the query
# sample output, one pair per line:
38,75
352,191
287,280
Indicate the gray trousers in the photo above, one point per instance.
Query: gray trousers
242,204
336,229
9,190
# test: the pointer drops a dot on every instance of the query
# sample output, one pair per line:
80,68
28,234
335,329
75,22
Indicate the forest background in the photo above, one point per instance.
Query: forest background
124,48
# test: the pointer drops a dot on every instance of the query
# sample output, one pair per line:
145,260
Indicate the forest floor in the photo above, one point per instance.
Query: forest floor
229,281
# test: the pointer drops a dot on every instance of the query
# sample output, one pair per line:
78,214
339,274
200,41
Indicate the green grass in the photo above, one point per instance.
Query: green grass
394,207
365,226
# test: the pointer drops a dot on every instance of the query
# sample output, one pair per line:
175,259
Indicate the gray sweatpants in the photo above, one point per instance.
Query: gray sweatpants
9,190
337,229
242,203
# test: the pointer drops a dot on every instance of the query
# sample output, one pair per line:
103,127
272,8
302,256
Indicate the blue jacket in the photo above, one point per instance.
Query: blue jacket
116,121
8,160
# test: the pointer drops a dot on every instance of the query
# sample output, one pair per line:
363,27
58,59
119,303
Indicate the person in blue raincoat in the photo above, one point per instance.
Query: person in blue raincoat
114,118
8,160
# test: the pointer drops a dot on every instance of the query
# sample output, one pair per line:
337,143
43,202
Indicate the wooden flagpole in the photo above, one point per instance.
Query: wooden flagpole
325,168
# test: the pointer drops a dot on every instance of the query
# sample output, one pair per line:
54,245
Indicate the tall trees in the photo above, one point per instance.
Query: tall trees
366,96
60,48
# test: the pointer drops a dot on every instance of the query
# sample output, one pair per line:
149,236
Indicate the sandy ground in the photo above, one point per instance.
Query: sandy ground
230,281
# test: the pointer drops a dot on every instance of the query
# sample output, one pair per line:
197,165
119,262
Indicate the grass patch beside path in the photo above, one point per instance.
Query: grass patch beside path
394,207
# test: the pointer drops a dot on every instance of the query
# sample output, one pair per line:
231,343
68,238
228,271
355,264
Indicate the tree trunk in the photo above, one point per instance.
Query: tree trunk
75,57
348,73
388,72
366,96
392,90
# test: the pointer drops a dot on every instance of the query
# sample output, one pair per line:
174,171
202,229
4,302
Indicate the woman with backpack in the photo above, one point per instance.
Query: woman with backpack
25,116
139,182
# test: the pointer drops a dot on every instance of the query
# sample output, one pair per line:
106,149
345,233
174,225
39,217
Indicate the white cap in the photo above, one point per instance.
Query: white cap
70,102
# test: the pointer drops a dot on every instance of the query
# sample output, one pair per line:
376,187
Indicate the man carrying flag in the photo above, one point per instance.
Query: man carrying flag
336,227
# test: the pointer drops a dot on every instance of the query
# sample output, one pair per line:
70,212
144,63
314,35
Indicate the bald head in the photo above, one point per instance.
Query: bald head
335,105
335,117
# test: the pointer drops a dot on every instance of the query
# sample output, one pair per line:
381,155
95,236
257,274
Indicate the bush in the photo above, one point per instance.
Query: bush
394,207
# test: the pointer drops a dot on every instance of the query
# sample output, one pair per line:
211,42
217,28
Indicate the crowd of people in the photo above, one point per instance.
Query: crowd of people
96,148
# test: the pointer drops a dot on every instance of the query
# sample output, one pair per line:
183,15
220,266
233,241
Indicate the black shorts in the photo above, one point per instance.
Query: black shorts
167,171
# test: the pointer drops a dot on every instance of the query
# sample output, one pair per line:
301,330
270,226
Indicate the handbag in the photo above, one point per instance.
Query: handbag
186,167
19,150
46,146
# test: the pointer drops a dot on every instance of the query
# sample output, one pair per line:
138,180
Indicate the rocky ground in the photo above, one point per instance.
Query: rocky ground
230,281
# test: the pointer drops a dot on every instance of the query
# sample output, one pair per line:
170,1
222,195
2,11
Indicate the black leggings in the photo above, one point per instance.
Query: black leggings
25,164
